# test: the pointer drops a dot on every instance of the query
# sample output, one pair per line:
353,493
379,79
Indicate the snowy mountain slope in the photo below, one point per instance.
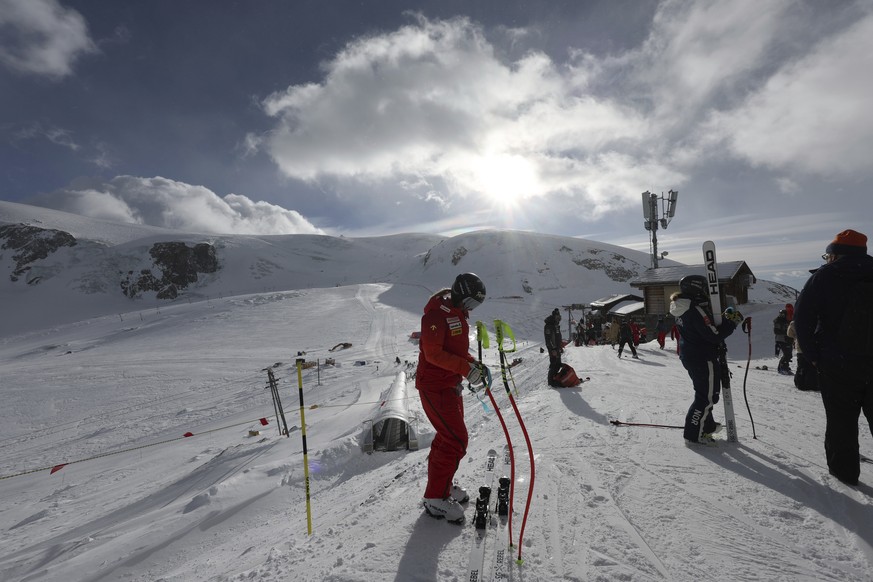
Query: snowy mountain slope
103,272
112,394
82,227
91,275
610,503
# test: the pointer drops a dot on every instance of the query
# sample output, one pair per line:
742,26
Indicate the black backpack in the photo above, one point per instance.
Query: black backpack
855,331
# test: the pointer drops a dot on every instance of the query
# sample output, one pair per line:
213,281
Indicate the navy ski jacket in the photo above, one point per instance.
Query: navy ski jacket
699,337
819,309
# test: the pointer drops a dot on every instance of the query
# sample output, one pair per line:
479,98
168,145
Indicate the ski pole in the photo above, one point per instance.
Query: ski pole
480,328
482,338
621,423
747,329
512,380
507,332
501,328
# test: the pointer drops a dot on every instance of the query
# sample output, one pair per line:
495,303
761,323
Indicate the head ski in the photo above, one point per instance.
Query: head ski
715,298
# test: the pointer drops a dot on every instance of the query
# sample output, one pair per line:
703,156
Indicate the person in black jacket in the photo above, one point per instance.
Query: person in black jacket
844,376
626,336
554,344
699,343
784,345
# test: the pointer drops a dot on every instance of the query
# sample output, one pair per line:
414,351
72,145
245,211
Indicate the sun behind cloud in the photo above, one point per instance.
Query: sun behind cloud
504,179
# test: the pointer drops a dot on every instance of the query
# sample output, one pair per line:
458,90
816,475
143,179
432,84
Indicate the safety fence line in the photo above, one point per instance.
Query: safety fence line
13,440
57,467
379,402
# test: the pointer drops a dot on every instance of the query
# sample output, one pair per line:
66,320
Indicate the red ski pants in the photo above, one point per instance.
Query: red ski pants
445,410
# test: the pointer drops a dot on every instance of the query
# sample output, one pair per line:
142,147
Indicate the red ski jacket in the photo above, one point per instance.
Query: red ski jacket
443,358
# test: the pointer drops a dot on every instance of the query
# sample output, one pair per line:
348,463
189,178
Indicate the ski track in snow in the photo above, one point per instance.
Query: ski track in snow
610,503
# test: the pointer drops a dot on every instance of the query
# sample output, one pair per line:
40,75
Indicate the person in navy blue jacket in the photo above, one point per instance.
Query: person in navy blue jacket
844,377
699,342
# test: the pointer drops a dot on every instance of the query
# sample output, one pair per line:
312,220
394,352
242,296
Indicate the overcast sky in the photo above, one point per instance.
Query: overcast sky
367,118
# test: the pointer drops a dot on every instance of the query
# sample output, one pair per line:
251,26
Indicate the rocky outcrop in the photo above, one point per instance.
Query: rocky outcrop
613,265
174,266
179,266
30,244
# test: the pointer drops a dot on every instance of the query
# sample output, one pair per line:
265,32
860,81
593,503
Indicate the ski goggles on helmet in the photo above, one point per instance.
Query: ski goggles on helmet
470,303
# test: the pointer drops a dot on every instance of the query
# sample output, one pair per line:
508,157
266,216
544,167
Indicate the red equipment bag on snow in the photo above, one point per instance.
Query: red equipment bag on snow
566,376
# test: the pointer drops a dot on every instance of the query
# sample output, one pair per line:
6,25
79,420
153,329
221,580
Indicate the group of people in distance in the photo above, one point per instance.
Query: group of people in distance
819,316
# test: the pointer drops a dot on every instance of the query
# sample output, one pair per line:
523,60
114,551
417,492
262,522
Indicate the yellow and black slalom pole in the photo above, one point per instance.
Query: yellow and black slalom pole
305,453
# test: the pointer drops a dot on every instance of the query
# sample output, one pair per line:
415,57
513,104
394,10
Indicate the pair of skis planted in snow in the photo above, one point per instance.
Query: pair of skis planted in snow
481,519
486,518
492,513
507,491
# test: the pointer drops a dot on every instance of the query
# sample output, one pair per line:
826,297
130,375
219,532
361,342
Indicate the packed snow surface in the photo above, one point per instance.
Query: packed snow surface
112,396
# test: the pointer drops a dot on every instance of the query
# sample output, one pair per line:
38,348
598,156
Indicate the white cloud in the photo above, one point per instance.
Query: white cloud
56,135
102,157
813,115
175,205
434,112
432,102
41,37
698,53
787,185
93,203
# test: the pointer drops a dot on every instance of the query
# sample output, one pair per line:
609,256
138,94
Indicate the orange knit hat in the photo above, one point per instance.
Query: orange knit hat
848,242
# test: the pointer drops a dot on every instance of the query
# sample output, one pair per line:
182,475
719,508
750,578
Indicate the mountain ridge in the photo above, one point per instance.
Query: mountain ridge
103,268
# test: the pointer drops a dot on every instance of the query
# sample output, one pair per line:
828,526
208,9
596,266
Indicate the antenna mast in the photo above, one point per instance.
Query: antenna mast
650,213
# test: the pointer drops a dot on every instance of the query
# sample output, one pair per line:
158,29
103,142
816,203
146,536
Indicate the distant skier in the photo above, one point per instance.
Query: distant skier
783,342
831,319
443,362
661,329
699,341
591,335
554,344
626,336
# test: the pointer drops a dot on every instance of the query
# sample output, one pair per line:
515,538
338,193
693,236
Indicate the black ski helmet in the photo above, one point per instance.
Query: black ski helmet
693,285
468,291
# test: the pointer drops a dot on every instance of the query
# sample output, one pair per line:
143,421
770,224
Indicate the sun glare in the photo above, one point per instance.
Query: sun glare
505,179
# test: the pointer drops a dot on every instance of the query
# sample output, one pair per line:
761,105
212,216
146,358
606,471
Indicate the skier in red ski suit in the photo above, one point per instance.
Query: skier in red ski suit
443,362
